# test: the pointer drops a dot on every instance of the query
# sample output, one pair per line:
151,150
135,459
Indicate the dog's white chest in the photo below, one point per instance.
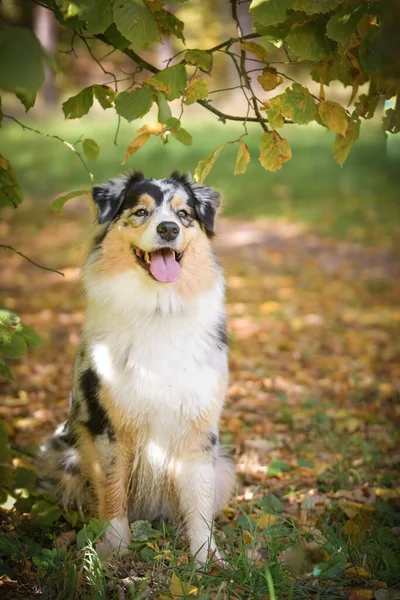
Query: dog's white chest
164,370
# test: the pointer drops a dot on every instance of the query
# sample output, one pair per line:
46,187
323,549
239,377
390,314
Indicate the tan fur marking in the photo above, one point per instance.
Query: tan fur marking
147,201
107,474
178,201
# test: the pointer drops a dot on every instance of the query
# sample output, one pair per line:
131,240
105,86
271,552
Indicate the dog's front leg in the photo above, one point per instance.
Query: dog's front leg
106,466
195,478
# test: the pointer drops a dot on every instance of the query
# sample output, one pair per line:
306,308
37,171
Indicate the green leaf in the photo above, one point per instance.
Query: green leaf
5,372
116,38
204,166
58,204
344,143
341,25
275,116
8,318
196,90
269,12
136,22
10,190
45,513
308,41
178,132
164,111
91,532
298,104
302,462
174,79
99,16
143,531
104,95
168,24
312,7
201,59
333,116
79,105
366,106
21,61
27,99
243,159
12,344
90,148
274,151
277,467
271,503
135,104
30,336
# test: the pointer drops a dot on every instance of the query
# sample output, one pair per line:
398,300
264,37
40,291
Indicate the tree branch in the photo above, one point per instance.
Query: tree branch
145,65
6,247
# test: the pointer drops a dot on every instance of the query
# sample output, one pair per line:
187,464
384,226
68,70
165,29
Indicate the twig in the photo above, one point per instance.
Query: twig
6,247
98,62
55,137
243,68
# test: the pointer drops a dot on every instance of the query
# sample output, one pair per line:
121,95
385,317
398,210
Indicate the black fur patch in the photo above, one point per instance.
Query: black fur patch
221,334
63,439
213,438
98,422
133,193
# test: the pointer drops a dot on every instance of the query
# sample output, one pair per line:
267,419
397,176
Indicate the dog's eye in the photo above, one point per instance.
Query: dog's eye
142,212
183,213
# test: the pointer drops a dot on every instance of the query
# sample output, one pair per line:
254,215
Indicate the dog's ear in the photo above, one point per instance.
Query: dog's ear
207,204
109,196
206,200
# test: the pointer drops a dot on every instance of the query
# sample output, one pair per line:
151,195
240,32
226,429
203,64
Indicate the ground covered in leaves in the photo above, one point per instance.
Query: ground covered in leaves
312,417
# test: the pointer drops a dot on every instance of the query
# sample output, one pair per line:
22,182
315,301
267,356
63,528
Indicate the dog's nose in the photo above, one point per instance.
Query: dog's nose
168,230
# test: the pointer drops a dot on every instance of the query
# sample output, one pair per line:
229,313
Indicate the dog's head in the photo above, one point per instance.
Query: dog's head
153,224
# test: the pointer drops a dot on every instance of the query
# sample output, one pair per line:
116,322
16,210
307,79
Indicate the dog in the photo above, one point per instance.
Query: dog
150,377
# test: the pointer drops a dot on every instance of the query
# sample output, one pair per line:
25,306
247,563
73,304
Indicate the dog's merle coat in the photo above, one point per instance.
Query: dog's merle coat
150,376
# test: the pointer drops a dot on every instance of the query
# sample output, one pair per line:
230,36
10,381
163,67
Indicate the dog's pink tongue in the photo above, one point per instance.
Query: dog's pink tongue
164,267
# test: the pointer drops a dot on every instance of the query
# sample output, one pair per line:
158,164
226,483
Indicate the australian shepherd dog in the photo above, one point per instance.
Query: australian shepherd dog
150,377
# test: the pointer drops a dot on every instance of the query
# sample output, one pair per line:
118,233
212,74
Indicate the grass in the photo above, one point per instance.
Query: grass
359,201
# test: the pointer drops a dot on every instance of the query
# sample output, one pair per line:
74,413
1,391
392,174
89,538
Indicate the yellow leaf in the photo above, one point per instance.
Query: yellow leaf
179,588
152,128
196,90
204,166
255,49
333,116
266,520
358,572
269,79
247,537
274,151
361,595
137,143
3,163
228,512
387,493
243,159
156,84
344,143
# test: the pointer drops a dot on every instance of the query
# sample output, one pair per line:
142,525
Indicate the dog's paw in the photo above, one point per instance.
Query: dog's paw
115,541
